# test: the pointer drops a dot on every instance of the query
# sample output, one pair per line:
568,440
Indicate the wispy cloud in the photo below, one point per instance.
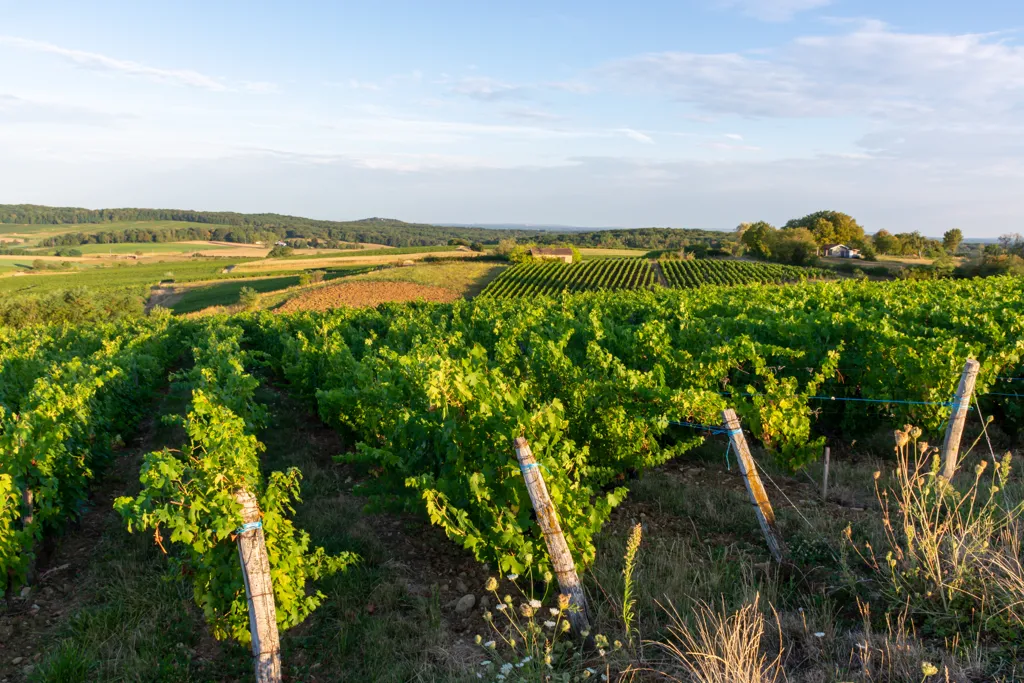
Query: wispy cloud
636,136
772,10
532,115
363,85
487,89
871,71
19,110
99,62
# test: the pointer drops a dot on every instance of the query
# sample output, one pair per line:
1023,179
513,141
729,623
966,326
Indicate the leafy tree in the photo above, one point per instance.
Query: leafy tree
280,252
887,243
758,238
951,240
829,227
797,246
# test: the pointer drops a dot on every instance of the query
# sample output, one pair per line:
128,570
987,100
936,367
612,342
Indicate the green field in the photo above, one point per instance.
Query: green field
139,276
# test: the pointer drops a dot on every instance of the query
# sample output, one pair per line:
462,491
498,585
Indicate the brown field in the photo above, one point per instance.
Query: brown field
365,294
313,263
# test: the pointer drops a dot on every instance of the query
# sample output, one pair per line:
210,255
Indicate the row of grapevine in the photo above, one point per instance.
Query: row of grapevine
698,272
192,494
538,278
68,396
436,393
544,278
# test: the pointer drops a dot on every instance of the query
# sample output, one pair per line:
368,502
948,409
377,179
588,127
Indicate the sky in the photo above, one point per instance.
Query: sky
908,115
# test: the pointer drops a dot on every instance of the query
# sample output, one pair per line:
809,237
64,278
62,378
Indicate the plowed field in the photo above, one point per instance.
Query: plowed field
365,294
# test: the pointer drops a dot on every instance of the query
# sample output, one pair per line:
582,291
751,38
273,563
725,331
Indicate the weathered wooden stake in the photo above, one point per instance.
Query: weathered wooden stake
28,516
252,551
758,496
957,417
824,476
558,549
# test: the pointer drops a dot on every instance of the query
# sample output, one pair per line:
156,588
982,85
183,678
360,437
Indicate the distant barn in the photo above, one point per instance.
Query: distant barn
561,254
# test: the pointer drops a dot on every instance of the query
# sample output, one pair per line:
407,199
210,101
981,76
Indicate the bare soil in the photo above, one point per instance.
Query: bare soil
358,294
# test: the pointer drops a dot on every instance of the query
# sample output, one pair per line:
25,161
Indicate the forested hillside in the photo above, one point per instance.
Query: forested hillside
262,227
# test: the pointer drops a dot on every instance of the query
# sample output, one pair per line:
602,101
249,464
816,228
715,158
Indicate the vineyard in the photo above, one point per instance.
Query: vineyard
540,278
697,272
536,278
432,396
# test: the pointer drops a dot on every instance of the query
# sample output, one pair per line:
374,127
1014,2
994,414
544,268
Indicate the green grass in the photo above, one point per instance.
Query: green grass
129,276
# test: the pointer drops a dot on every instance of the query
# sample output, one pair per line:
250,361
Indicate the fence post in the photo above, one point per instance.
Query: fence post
252,551
824,476
957,417
558,549
758,496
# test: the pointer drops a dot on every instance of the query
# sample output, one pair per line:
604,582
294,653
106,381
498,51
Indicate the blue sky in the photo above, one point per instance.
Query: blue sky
694,113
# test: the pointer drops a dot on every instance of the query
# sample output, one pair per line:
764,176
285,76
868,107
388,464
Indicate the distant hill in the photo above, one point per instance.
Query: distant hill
99,226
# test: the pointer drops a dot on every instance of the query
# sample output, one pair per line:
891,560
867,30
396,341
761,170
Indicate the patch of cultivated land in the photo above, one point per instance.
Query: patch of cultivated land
365,294
466,277
310,263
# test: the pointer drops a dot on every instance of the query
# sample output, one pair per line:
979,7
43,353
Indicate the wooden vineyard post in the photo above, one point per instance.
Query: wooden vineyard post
558,549
252,551
957,417
758,496
824,476
28,516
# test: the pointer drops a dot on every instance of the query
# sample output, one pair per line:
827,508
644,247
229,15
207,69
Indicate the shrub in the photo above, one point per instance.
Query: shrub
248,298
280,252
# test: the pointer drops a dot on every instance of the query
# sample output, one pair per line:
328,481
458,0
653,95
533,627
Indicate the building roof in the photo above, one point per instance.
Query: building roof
548,251
827,247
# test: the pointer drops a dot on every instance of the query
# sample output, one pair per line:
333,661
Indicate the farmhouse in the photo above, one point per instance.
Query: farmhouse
549,253
840,251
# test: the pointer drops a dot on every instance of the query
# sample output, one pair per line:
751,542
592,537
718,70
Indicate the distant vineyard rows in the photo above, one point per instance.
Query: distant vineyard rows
538,278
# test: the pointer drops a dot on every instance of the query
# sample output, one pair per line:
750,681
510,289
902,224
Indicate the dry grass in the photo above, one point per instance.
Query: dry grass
723,648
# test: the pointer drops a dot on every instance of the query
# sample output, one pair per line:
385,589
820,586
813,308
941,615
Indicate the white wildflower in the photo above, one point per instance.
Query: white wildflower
600,652
501,607
490,644
553,611
506,668
549,624
512,577
535,604
486,662
819,634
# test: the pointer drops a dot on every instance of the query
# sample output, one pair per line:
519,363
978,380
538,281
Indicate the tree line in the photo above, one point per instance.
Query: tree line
268,228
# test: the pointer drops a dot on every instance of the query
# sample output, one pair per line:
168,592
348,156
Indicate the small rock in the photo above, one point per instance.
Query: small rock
28,670
25,592
48,592
17,660
465,603
485,602
460,586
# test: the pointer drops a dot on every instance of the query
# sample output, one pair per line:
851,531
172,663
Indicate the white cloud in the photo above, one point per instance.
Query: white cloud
98,62
773,10
871,72
637,136
733,136
487,89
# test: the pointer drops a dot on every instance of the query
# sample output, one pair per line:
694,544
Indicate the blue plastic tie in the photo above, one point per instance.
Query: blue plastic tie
248,526
728,464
